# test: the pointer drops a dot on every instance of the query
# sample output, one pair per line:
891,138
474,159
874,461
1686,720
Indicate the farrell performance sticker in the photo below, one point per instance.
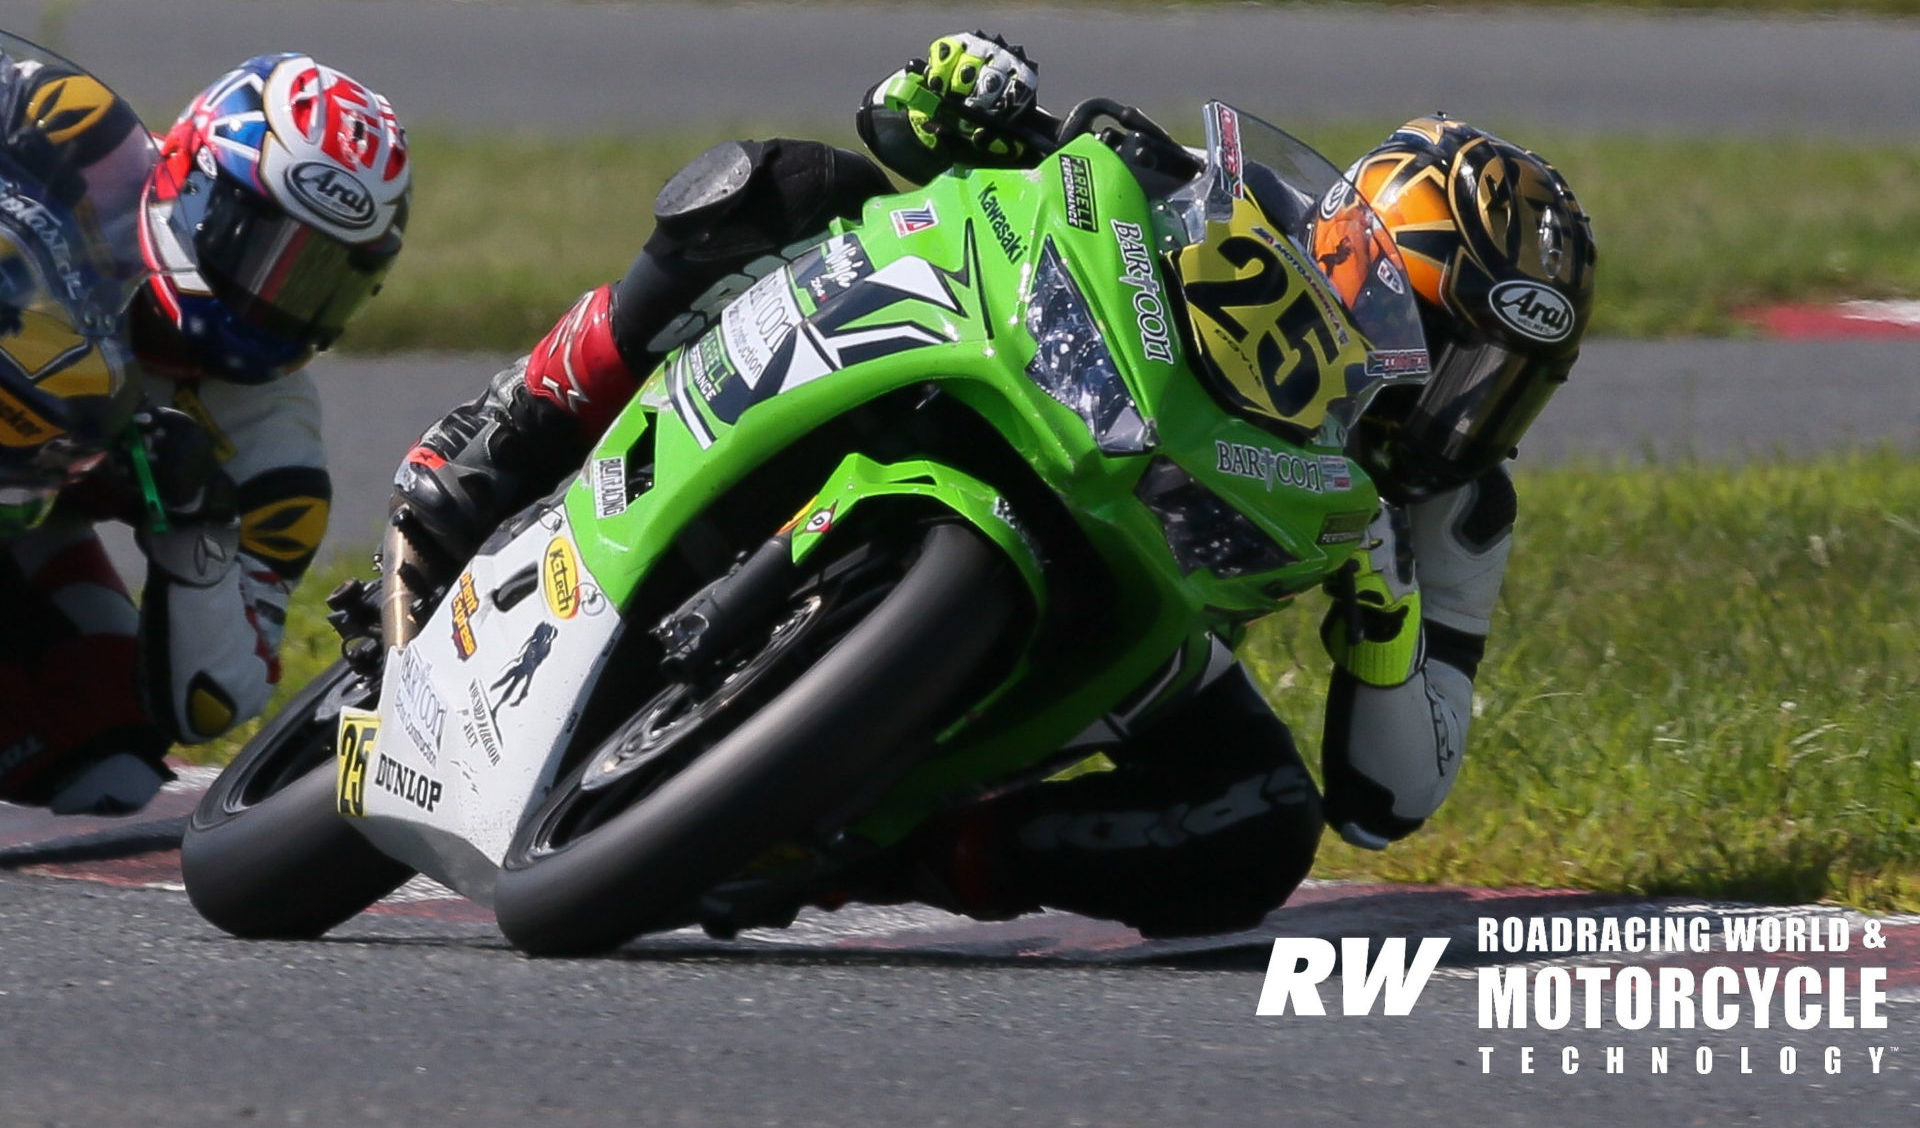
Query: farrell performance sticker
1076,183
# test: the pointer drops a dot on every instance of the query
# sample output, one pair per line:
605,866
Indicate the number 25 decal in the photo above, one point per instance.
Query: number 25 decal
1260,322
359,732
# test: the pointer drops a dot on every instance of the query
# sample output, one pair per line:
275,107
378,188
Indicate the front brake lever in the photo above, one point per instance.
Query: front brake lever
135,446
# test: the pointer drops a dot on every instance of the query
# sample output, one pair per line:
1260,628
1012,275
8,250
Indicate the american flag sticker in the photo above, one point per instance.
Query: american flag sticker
906,221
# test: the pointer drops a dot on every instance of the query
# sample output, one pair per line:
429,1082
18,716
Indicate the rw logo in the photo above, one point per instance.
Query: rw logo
1299,964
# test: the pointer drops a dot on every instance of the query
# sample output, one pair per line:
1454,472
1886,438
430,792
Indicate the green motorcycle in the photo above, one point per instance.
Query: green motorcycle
933,495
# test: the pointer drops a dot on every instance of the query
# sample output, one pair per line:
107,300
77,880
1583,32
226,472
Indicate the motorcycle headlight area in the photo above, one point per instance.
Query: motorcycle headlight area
1202,530
1071,362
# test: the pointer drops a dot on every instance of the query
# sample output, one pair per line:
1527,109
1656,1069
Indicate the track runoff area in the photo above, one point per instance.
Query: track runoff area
1553,981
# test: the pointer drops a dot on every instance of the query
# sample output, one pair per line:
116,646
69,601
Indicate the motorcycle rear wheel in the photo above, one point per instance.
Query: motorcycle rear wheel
266,854
598,863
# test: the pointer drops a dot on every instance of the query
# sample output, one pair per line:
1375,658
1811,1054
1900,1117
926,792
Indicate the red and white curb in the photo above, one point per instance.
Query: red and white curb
1883,319
143,852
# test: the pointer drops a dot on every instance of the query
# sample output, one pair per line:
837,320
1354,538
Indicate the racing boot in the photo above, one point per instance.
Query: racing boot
119,783
117,773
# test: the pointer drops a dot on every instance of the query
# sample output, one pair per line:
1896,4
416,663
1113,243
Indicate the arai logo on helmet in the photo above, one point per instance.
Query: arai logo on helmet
1534,311
332,194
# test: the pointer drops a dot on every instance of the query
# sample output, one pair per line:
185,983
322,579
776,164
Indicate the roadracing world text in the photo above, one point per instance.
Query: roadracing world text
1749,982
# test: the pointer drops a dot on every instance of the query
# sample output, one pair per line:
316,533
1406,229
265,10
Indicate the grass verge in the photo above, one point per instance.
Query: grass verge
1688,235
1702,681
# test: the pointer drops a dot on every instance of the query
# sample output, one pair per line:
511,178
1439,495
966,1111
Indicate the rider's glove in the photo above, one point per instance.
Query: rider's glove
1372,631
956,106
197,500
991,80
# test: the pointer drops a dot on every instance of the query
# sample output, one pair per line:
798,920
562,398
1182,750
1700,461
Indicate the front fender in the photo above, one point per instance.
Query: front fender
859,479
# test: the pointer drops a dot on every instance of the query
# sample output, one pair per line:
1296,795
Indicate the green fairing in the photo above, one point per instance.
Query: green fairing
931,288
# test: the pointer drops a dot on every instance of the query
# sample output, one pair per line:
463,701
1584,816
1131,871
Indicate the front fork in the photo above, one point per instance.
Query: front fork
720,615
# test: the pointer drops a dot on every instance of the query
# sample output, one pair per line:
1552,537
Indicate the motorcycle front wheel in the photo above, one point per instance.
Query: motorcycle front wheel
704,778
266,854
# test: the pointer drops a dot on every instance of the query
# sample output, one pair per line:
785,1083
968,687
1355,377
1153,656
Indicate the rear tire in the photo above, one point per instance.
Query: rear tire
266,854
597,864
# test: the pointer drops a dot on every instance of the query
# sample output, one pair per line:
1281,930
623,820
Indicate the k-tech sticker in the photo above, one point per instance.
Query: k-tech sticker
560,578
359,734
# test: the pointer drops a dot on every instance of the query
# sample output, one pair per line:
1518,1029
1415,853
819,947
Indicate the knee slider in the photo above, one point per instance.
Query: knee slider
708,189
742,199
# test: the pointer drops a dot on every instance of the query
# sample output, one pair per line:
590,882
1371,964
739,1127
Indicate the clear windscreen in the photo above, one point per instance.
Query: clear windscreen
1326,220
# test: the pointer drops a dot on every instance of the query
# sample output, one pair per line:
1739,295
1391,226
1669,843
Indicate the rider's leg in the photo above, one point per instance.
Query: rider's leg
1208,822
734,204
74,732
730,206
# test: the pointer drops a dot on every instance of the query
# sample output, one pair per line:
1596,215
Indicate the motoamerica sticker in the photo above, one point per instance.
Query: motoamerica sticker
909,221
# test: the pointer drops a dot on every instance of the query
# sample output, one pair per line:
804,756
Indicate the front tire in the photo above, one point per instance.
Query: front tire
599,863
266,854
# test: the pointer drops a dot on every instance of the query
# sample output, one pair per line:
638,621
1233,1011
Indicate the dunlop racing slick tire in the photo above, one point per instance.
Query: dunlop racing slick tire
586,873
266,855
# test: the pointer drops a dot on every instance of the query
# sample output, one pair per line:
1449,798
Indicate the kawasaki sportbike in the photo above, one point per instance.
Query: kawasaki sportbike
933,496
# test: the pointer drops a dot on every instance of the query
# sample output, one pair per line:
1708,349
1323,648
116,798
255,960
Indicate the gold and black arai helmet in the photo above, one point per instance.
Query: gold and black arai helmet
1500,256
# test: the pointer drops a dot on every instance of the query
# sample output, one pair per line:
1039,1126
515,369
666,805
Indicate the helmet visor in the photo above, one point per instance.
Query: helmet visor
1479,402
277,272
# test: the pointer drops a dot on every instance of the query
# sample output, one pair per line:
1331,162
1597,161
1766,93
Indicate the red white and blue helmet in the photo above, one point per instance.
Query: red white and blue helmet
277,207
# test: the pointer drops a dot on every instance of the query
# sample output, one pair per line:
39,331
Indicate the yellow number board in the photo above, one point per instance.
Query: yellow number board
359,734
1269,327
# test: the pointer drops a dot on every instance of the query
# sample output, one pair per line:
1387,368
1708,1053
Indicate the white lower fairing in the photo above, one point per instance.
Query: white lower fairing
475,711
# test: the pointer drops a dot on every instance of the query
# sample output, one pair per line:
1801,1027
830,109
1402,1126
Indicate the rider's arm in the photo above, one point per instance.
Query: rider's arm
220,578
1402,698
944,110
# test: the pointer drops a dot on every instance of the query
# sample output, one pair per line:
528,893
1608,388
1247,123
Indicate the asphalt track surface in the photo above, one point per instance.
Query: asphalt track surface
118,1006
122,1007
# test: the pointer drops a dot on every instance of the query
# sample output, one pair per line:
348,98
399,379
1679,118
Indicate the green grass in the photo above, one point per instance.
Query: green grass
1701,680
506,234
